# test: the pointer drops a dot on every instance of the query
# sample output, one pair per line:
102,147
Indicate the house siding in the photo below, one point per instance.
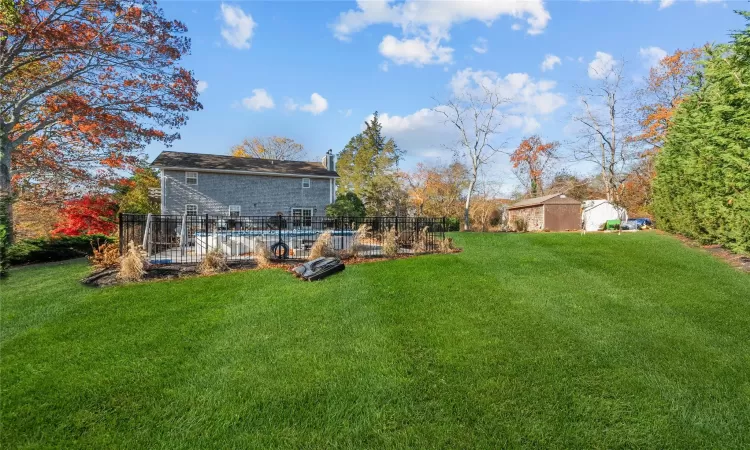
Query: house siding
261,195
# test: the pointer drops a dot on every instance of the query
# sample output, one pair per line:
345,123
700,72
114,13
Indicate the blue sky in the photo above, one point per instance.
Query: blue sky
305,71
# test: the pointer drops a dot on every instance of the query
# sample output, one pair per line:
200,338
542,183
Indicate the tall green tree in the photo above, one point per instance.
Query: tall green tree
132,195
702,186
368,167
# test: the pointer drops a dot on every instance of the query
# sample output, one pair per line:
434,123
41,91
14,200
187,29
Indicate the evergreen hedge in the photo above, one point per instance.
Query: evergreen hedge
702,186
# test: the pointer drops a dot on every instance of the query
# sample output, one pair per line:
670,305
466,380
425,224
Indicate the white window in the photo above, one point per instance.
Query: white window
191,210
302,217
191,177
305,182
234,210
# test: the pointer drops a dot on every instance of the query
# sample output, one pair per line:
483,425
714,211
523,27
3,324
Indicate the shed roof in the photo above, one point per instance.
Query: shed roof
242,164
557,199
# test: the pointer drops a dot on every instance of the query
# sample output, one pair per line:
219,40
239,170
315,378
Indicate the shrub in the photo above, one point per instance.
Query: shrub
347,205
452,224
261,253
132,264
521,224
446,245
323,246
58,248
105,256
390,243
357,245
213,262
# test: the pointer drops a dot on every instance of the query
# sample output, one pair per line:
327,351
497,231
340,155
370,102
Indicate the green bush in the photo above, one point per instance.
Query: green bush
38,250
452,224
702,187
346,205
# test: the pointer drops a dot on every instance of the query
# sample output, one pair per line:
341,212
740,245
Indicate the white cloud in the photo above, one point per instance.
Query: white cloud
652,55
383,66
317,104
480,46
516,27
425,24
202,86
345,112
523,93
237,28
549,62
665,3
601,66
259,100
415,51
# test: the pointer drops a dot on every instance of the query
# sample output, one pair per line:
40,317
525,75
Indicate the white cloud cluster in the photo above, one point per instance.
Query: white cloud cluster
415,51
201,86
317,105
426,24
258,101
601,66
549,62
524,95
425,134
652,55
237,27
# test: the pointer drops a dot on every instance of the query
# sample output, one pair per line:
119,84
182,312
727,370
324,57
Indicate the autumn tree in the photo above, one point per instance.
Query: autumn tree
88,215
476,115
531,161
368,167
436,191
84,86
273,147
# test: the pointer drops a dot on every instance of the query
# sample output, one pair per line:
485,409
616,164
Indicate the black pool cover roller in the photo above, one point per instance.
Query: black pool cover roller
318,268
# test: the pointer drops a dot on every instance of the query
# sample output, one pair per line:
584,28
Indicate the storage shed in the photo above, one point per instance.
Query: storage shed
597,212
555,212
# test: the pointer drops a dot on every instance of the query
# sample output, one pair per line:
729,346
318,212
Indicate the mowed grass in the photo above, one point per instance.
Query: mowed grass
535,340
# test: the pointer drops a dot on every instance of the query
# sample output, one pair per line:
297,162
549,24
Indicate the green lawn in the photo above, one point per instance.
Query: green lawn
546,340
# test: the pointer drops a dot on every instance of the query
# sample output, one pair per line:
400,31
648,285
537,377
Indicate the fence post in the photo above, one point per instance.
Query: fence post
205,226
119,240
396,225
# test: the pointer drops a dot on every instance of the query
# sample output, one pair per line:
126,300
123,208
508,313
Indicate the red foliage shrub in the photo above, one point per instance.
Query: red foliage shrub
87,215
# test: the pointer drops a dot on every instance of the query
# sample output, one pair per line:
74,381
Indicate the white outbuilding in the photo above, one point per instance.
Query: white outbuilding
597,212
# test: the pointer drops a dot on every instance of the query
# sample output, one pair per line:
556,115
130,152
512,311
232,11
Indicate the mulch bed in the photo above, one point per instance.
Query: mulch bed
739,261
108,277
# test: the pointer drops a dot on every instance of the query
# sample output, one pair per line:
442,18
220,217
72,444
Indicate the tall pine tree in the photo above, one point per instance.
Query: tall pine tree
368,167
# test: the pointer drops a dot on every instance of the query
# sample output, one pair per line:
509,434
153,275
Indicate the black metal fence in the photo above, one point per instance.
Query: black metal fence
172,239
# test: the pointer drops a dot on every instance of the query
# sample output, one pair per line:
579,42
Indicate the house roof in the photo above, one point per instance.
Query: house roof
552,198
221,163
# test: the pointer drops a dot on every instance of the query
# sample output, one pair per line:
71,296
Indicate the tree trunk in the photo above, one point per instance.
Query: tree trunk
6,199
468,203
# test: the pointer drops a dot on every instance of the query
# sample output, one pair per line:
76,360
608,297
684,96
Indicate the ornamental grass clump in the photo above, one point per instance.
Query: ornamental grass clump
390,243
421,242
358,247
323,246
446,245
132,264
106,256
261,253
214,261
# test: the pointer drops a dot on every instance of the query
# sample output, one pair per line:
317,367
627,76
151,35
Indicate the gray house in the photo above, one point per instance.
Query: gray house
197,184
